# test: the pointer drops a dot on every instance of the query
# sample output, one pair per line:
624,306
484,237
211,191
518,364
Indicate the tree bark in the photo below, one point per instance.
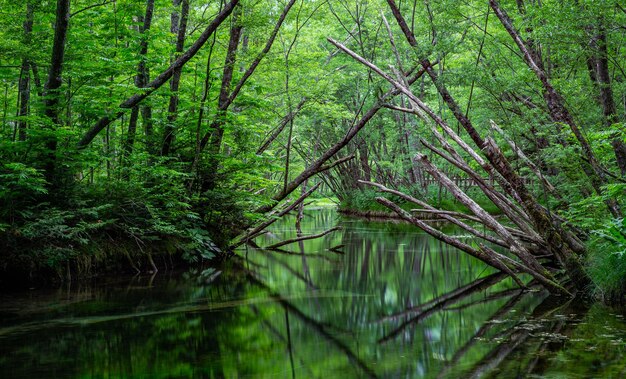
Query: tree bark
217,127
181,30
556,107
52,88
451,217
141,79
514,246
24,83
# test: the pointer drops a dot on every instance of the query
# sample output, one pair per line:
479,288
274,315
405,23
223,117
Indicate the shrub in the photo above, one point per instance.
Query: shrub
607,260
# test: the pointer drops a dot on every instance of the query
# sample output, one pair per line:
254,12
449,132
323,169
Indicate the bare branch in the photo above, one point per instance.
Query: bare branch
256,231
303,238
91,6
523,157
451,217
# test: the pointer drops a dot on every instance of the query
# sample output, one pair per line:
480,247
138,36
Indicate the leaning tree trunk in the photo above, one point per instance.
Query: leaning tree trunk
160,80
557,109
547,231
214,136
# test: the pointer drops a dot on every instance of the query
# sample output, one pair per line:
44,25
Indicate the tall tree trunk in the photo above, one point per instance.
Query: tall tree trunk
155,84
217,127
141,80
24,84
52,88
205,94
216,130
606,95
180,29
36,78
175,17
364,159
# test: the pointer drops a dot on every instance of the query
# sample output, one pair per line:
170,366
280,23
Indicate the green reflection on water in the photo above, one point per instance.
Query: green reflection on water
392,303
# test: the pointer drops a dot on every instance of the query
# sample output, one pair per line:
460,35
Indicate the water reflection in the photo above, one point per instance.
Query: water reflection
390,302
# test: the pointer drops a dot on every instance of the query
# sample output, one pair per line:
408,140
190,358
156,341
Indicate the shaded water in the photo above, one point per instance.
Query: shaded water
390,303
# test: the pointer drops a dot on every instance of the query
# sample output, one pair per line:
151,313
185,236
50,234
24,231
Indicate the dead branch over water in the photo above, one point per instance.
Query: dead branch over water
536,232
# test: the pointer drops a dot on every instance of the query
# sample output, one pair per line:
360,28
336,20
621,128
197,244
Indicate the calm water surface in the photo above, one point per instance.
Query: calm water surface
388,302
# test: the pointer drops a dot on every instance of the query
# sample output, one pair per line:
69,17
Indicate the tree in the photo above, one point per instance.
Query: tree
52,88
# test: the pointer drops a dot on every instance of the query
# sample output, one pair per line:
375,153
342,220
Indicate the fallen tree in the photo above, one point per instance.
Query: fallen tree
538,242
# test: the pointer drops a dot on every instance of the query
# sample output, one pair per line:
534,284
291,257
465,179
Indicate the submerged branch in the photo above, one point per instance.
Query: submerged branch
303,238
256,231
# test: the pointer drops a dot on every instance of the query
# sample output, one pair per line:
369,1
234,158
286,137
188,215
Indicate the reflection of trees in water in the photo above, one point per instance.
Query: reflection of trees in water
501,325
526,347
394,304
430,291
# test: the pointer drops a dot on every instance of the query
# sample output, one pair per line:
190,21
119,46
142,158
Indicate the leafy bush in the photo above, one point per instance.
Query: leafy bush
149,212
607,260
20,187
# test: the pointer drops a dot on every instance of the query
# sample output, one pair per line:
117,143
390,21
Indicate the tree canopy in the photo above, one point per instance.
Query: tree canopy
175,125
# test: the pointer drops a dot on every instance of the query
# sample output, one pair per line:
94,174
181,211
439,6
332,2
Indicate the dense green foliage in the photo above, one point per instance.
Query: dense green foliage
191,165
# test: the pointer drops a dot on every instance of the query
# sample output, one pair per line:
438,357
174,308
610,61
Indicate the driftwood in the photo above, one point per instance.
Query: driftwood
448,216
258,230
303,238
535,223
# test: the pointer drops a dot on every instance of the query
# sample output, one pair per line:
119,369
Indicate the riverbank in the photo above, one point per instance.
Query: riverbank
397,302
102,257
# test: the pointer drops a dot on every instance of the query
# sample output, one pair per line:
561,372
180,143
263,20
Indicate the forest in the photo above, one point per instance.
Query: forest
140,134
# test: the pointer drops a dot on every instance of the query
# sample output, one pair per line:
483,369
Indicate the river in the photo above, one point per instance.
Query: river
388,302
